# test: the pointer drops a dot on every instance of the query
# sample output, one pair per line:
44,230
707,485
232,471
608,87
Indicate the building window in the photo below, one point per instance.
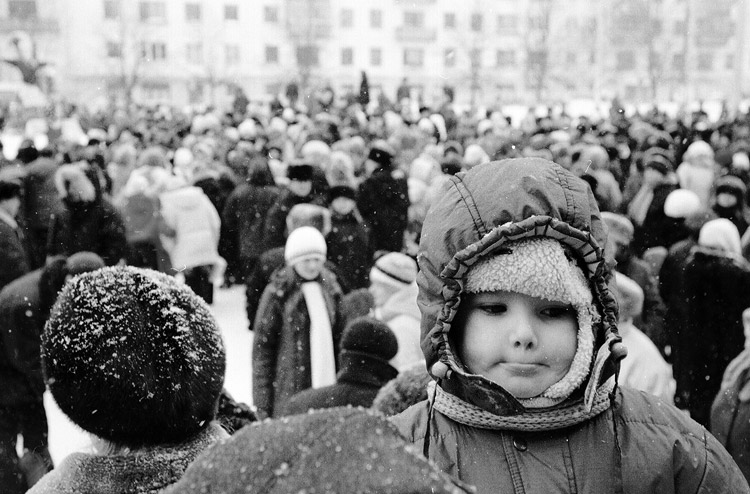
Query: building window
625,60
192,11
449,57
449,22
376,19
538,22
414,19
153,12
231,13
347,56
476,22
475,56
154,51
232,54
22,9
505,58
270,14
678,61
194,53
272,54
679,28
507,24
413,57
376,57
570,58
705,61
111,9
729,62
347,18
307,56
114,49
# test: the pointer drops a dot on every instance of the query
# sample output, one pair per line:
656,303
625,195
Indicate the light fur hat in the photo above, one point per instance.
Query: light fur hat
395,270
306,242
538,267
681,203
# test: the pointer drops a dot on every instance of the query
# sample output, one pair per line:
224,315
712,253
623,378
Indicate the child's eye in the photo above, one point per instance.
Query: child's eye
557,312
493,308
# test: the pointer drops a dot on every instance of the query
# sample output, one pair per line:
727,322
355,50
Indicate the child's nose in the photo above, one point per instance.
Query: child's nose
523,336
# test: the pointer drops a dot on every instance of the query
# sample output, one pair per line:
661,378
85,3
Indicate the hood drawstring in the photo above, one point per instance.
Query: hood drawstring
430,416
619,351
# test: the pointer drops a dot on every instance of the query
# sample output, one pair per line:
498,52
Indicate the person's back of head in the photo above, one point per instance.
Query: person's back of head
629,297
391,273
334,450
369,338
133,357
722,235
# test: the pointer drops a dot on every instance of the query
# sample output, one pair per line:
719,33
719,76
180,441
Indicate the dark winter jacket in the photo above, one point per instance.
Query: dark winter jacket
143,472
357,383
40,198
349,249
672,291
15,262
383,201
281,345
595,440
657,227
21,324
243,221
93,226
717,290
274,231
343,450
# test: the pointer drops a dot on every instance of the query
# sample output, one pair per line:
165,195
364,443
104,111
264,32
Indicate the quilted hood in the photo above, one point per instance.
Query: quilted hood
468,222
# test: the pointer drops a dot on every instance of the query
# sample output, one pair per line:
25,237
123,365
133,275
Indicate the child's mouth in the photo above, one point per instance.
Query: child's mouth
521,368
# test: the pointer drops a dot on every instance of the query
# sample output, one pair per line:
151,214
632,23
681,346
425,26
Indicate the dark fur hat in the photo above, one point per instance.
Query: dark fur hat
300,171
133,356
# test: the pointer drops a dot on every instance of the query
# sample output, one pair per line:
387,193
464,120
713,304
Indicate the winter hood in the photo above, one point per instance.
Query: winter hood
465,224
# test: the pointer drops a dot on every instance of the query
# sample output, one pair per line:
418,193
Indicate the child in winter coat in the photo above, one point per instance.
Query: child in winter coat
519,329
297,325
136,359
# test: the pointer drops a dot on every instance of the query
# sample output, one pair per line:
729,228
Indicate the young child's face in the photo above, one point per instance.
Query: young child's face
310,268
525,344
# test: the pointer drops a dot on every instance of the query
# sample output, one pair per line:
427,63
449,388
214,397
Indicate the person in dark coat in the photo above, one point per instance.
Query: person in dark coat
349,241
730,411
728,201
383,200
646,209
243,220
298,191
88,221
344,450
40,201
13,255
717,284
366,347
24,307
297,325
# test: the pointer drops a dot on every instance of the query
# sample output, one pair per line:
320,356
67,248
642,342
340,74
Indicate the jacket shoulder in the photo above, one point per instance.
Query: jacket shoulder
412,422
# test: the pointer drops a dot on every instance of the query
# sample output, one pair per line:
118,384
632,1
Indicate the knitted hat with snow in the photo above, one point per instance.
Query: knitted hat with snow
303,243
539,267
133,356
394,269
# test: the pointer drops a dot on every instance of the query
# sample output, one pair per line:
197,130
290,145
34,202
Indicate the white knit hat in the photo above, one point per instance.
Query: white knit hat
305,242
538,267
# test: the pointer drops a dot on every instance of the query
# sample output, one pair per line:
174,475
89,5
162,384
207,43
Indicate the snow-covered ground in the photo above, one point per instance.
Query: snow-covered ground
229,309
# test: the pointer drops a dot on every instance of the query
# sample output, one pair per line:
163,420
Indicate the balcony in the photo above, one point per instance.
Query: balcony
409,34
30,25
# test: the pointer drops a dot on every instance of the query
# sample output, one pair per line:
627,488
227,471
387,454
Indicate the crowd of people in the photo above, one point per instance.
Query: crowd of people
486,308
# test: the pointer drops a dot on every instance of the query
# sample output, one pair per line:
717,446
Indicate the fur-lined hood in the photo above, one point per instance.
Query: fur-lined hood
465,225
